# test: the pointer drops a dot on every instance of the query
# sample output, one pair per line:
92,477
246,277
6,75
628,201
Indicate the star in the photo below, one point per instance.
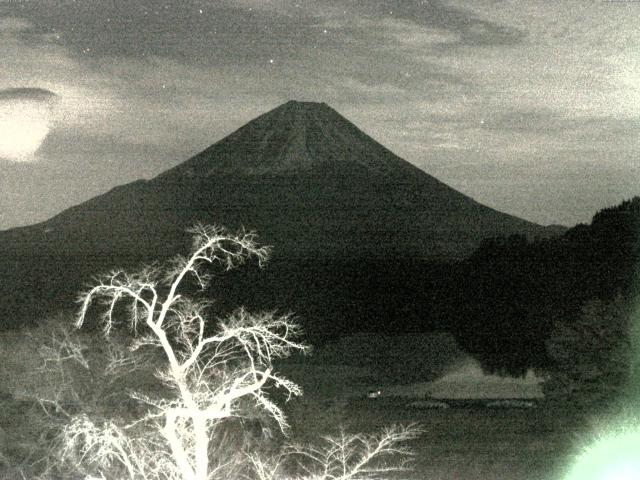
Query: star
271,60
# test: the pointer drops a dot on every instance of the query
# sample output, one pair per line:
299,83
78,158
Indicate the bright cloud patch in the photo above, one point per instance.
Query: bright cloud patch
25,121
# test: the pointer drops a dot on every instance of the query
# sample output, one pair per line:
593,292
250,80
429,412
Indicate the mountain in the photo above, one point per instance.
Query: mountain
313,186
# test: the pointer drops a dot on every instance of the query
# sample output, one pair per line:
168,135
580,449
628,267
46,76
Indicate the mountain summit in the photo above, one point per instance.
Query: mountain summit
296,138
312,185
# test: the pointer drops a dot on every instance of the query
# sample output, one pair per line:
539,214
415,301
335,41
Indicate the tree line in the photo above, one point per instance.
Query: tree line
504,302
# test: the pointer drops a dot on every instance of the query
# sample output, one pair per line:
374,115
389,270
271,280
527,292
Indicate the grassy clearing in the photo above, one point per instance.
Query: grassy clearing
479,444
458,443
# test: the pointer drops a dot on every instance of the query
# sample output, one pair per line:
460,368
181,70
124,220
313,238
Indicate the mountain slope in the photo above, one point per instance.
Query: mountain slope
307,180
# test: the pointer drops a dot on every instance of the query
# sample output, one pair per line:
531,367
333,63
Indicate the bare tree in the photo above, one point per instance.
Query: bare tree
207,374
204,377
344,456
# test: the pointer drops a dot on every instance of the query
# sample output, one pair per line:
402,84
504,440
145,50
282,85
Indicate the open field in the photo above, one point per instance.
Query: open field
478,443
457,444
465,442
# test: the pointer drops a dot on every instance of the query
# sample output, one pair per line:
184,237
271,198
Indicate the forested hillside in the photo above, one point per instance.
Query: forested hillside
503,301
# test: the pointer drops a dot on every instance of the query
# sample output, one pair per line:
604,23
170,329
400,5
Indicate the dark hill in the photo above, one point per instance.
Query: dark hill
503,301
313,185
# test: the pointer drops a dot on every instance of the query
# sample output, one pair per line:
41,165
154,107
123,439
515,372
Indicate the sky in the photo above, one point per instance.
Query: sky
532,108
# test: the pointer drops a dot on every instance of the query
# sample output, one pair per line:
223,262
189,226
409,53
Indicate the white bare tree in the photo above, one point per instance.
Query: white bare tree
208,374
205,375
344,456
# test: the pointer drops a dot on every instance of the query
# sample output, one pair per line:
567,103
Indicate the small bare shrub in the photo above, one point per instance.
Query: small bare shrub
343,457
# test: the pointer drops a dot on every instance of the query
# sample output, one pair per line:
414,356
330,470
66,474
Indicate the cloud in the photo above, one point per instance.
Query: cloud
190,31
573,59
25,120
10,25
451,21
26,94
34,63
